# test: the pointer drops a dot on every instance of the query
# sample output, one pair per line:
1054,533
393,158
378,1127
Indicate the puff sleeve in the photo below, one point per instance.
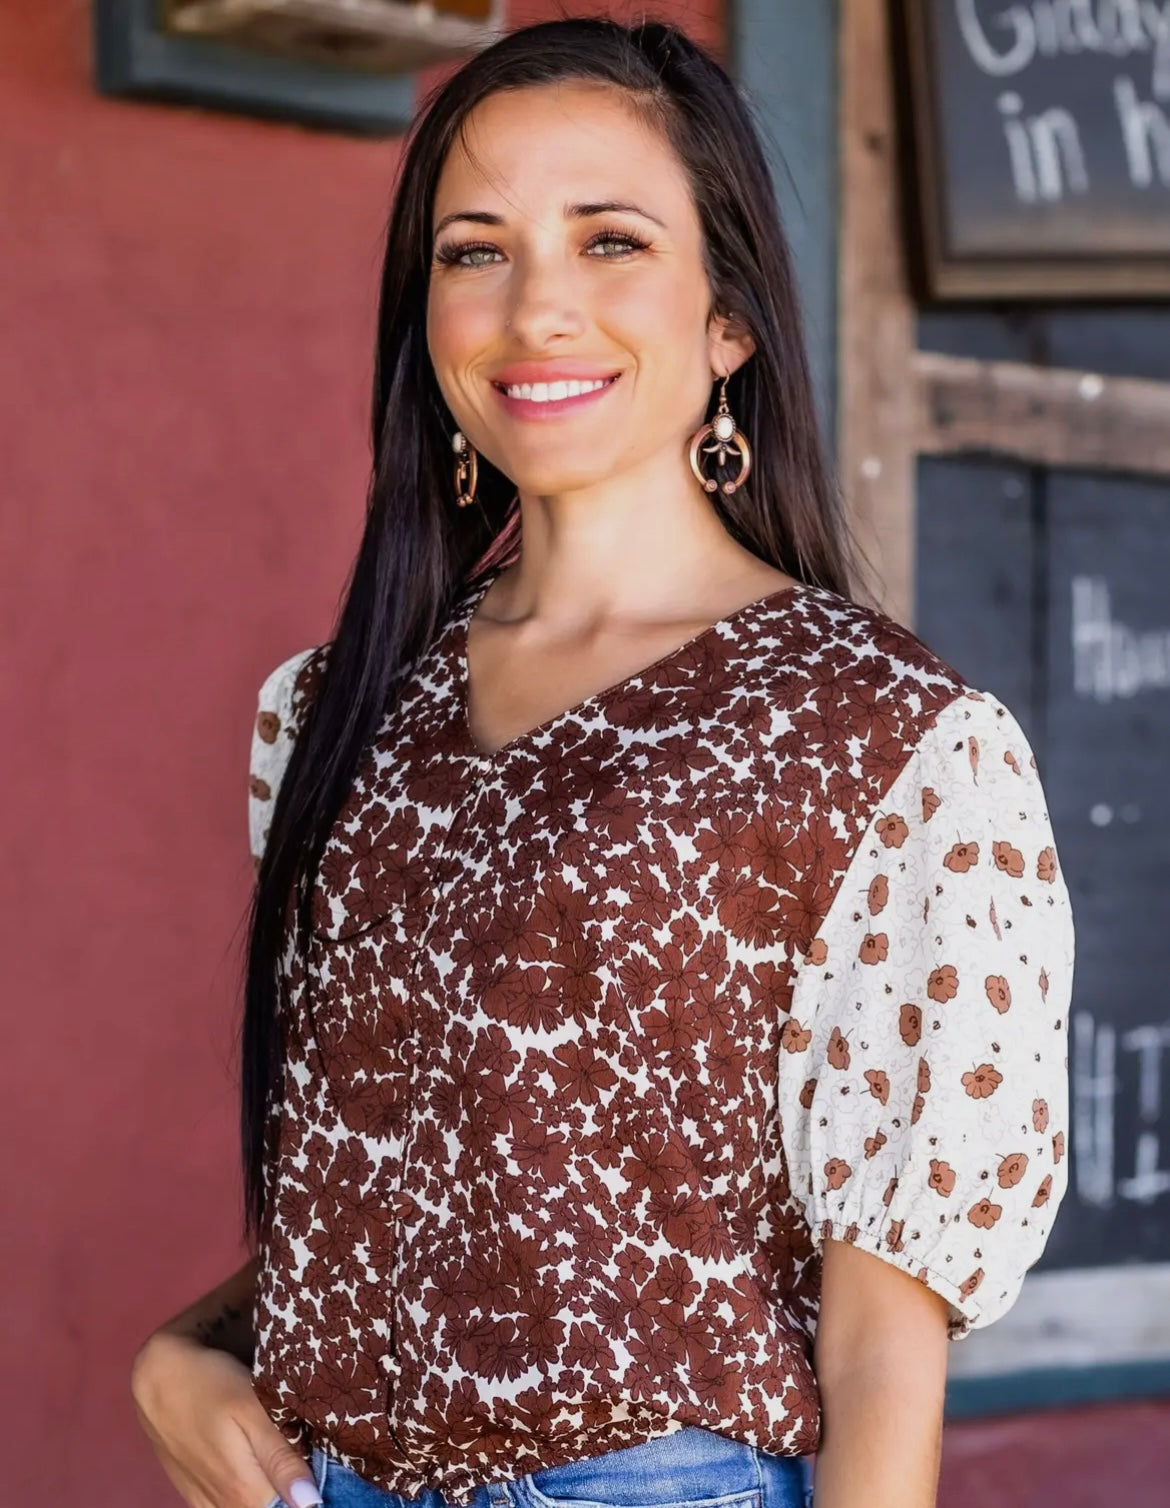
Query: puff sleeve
923,1069
273,733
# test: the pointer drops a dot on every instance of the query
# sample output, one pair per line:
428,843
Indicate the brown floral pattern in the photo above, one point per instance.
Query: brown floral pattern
598,1040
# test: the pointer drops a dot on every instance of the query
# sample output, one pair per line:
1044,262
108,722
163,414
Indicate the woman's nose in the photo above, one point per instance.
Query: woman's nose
546,302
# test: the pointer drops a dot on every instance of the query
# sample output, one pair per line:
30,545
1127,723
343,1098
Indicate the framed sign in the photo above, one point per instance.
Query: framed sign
344,64
1040,137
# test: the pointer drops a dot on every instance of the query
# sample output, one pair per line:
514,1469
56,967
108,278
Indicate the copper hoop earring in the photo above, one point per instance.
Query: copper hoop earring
466,469
727,437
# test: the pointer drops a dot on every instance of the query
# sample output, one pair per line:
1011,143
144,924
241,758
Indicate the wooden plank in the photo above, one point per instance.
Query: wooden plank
1042,415
1076,1317
876,325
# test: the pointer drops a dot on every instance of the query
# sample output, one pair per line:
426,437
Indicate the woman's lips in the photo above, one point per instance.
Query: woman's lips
553,408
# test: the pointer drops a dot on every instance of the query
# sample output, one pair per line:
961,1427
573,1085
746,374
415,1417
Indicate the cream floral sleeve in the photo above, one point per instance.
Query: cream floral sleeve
923,1071
273,734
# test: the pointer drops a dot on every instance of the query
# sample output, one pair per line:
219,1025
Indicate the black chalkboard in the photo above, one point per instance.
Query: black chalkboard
1049,589
1041,136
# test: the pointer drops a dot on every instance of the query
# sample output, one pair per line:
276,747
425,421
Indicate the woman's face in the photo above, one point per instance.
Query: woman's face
534,280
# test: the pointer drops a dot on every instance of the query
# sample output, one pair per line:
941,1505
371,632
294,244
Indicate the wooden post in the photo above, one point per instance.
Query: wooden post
876,326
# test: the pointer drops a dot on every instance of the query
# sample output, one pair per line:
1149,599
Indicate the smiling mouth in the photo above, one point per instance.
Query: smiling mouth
554,392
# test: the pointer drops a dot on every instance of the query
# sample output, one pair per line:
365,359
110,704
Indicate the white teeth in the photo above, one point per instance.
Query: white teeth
550,392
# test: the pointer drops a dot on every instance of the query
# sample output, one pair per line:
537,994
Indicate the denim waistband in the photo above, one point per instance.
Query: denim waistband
688,1467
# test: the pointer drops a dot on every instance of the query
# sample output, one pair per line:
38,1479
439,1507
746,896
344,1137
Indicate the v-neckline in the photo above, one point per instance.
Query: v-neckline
595,698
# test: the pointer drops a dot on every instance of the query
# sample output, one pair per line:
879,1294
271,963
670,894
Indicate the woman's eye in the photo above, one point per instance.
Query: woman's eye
623,242
482,253
455,255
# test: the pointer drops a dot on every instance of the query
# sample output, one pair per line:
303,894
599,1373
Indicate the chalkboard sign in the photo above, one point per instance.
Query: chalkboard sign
1049,590
1107,736
1041,146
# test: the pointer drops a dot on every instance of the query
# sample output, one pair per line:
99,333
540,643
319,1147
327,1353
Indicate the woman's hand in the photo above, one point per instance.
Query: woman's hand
881,1367
214,1438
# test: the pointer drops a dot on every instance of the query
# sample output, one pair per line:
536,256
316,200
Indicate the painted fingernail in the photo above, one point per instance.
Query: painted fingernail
304,1494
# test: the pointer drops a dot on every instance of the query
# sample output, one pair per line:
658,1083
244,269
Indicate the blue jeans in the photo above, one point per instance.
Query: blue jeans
688,1468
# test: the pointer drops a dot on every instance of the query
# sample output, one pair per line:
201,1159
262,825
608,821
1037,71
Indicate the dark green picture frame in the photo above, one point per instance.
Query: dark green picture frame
136,58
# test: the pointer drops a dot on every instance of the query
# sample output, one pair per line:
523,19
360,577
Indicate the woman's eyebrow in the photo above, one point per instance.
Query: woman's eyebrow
580,211
609,207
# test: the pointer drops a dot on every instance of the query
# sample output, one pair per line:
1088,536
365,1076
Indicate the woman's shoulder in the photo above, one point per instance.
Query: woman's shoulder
847,676
287,691
284,696
867,641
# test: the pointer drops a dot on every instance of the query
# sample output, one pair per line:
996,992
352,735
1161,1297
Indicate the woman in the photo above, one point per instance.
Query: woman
678,957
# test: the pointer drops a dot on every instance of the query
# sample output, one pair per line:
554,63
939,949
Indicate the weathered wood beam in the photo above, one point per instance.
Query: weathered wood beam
1047,416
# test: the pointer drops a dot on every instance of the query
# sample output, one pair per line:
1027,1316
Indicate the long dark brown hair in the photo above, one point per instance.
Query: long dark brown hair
419,552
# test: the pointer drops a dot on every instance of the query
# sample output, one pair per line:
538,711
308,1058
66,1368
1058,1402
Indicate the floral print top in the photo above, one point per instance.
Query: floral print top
599,1038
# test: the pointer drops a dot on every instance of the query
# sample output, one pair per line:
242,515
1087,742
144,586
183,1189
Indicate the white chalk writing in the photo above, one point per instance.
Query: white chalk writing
1096,1077
1004,41
1046,153
1149,1180
1145,130
1110,659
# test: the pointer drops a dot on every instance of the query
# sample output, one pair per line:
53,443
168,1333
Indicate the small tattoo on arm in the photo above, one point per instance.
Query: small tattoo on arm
226,1331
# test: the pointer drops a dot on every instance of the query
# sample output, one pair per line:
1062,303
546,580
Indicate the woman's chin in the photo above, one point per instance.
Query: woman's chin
553,481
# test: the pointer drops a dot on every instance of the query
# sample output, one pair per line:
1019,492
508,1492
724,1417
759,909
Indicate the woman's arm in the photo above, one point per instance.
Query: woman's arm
923,1087
881,1365
192,1388
222,1319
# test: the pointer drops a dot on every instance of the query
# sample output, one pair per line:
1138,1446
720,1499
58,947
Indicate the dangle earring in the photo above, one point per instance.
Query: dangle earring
727,437
466,469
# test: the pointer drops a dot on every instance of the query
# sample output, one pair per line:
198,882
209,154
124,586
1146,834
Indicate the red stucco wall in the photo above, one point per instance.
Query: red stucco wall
187,306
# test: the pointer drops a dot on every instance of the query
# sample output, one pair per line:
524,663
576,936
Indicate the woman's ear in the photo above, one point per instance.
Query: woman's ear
729,342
